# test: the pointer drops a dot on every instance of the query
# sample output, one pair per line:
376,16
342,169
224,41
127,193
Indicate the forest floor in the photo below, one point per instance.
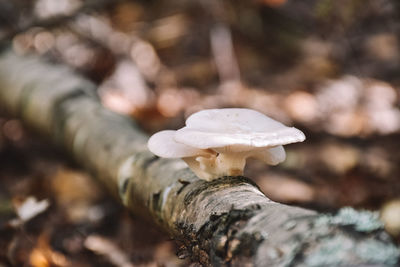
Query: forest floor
330,68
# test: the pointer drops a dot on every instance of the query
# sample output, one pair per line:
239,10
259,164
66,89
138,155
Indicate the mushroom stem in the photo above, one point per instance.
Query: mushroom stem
202,170
214,166
231,164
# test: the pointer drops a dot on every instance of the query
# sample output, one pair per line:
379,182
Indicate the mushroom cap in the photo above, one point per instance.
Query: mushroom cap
235,130
163,144
271,156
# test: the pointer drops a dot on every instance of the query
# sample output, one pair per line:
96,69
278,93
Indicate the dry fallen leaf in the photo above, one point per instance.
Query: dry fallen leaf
30,208
108,249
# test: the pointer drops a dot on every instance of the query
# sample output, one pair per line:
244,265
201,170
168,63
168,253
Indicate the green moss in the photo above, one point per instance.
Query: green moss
362,221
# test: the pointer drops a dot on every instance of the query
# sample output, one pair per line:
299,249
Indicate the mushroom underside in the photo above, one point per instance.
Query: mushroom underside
212,166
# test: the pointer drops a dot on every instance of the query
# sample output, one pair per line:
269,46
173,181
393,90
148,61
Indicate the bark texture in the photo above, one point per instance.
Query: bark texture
228,221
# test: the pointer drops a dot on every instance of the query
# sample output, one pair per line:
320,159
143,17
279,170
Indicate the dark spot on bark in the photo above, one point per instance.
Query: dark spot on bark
239,251
155,201
184,184
124,186
149,161
214,217
180,225
220,239
255,207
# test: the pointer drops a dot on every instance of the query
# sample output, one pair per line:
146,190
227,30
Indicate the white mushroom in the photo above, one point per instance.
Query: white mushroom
163,145
217,142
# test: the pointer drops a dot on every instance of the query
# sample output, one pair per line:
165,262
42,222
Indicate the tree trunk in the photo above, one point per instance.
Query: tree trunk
228,221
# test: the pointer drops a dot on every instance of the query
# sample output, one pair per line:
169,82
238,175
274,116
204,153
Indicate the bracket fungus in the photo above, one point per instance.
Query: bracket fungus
217,142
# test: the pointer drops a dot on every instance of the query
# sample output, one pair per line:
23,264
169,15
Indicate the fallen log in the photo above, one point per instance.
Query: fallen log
227,221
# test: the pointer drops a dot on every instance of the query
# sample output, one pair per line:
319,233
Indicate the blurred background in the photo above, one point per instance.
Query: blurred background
328,67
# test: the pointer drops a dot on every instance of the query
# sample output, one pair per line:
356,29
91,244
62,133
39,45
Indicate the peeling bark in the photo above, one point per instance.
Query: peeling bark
228,221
